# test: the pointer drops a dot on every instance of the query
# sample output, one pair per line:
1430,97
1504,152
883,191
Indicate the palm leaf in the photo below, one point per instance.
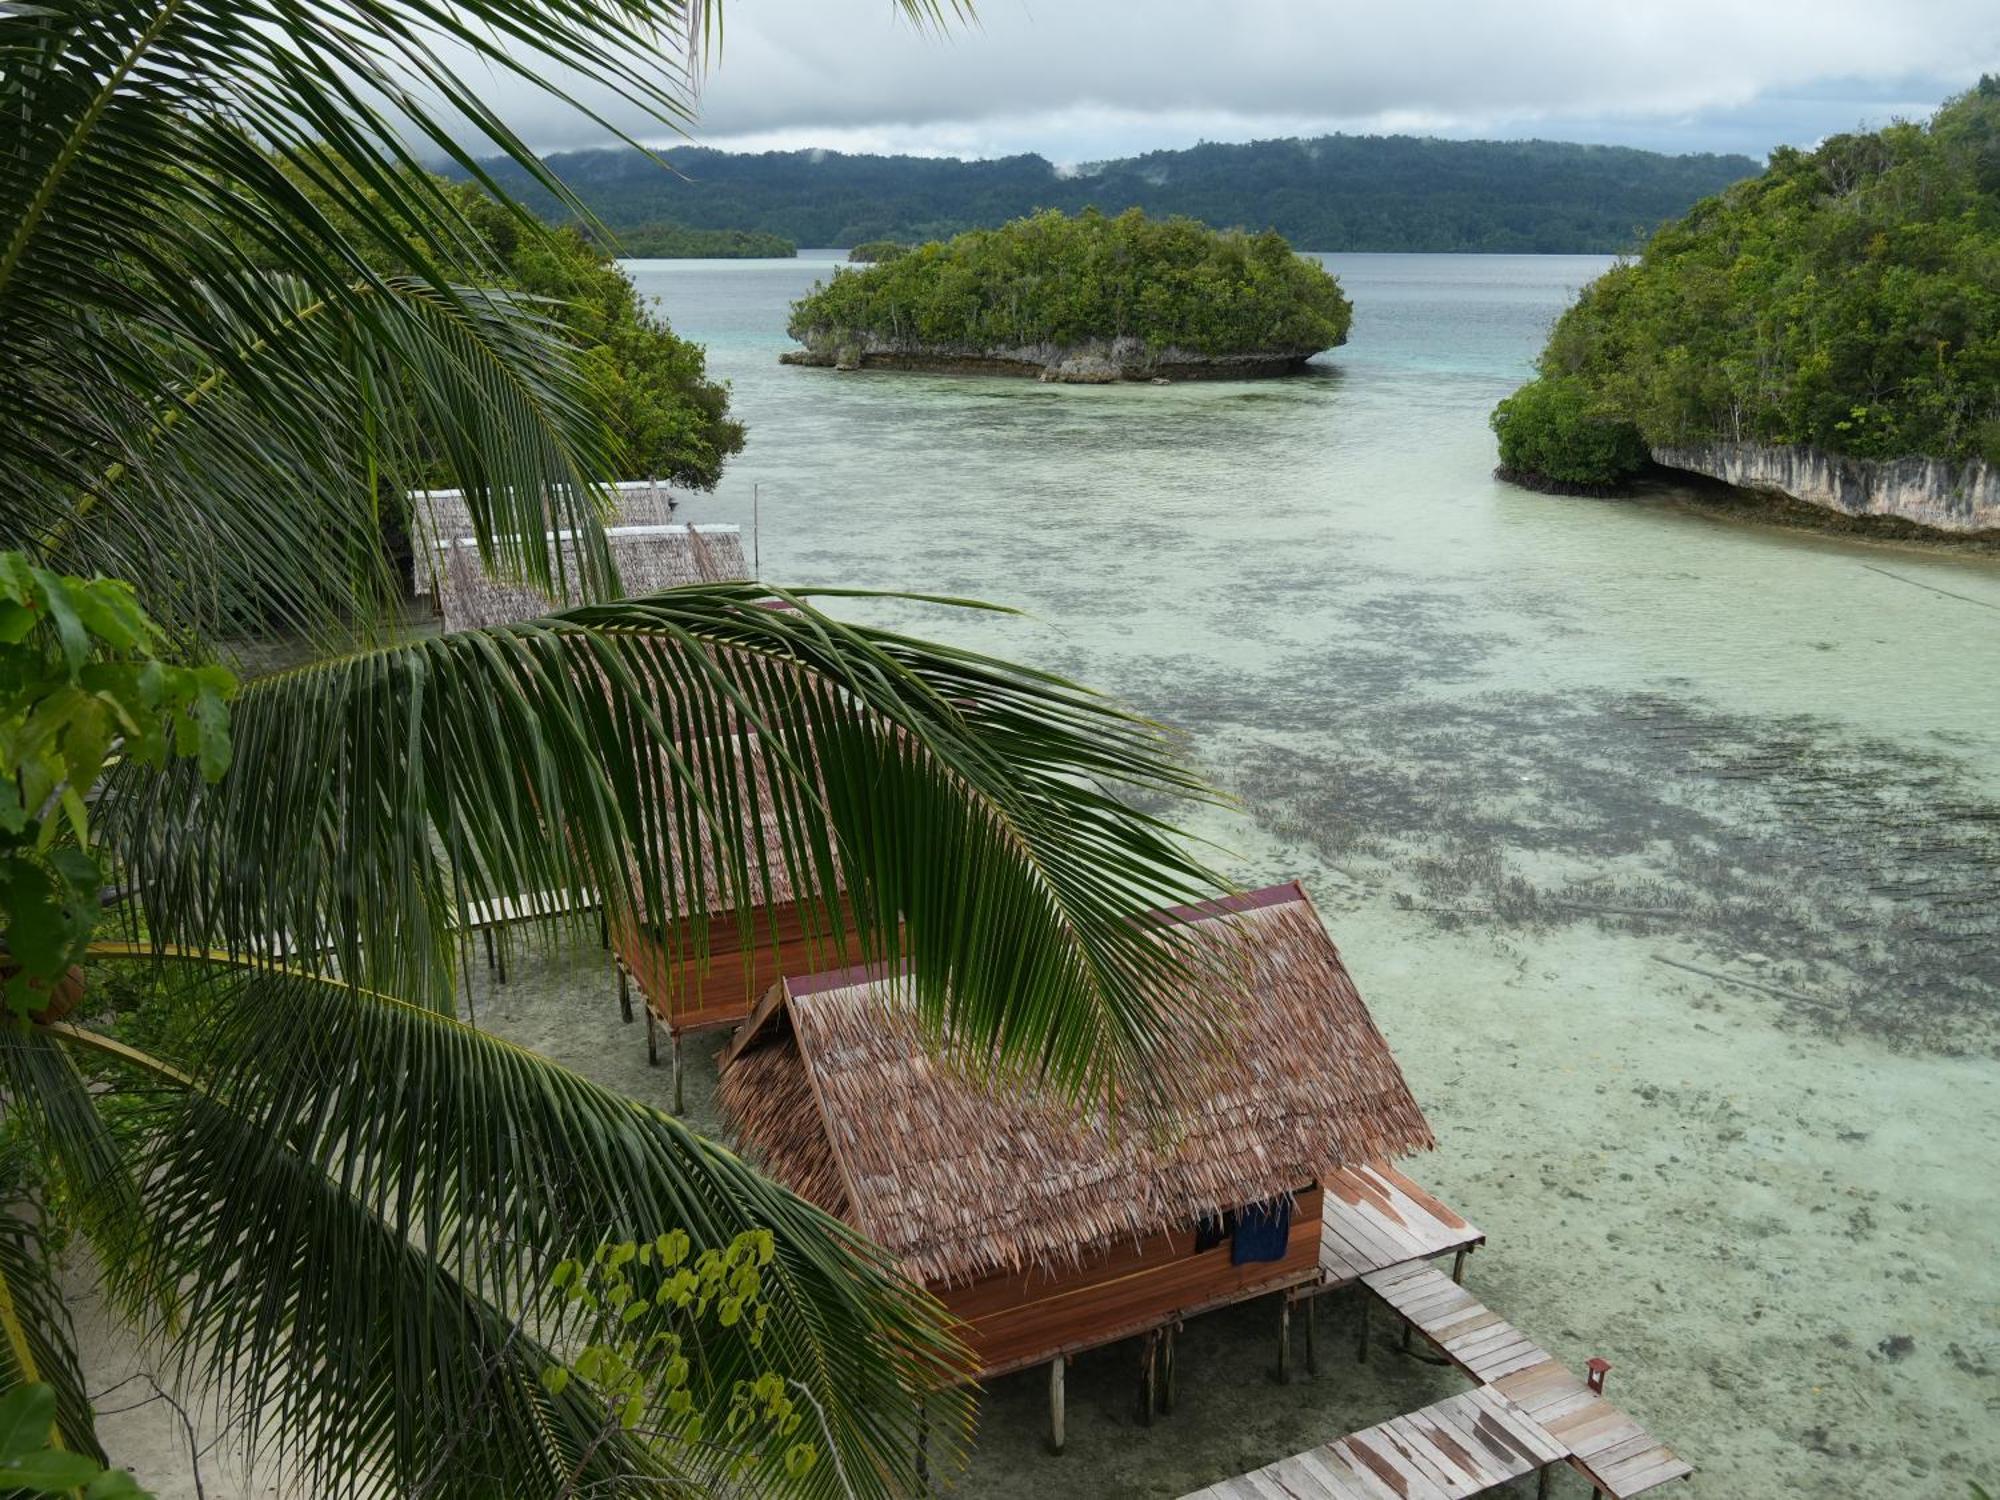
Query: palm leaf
37,1339
974,813
192,186
51,1099
366,1200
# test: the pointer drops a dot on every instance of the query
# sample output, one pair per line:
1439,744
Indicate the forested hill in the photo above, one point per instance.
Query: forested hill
1337,192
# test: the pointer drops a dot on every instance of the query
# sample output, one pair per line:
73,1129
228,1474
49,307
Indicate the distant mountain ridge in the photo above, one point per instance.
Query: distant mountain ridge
1336,192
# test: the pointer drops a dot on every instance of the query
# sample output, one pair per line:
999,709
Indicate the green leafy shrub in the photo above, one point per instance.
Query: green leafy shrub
873,252
1554,431
1847,299
30,1464
84,682
1054,279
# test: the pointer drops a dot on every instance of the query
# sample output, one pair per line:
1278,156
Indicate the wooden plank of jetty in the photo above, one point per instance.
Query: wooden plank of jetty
1527,1413
1600,1440
1463,1445
1375,1217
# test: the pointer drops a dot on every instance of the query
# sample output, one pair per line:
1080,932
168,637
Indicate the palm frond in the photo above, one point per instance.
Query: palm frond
969,818
51,1100
37,1338
367,1200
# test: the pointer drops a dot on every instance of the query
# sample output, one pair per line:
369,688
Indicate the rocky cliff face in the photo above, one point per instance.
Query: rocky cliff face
1946,496
1097,362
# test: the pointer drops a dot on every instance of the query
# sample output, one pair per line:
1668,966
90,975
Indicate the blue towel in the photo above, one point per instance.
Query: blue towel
1262,1230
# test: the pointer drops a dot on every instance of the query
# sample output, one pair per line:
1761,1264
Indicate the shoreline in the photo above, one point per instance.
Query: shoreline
1718,500
1073,367
1723,501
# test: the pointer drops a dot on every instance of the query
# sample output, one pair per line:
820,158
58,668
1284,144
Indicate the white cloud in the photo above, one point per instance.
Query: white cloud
1083,78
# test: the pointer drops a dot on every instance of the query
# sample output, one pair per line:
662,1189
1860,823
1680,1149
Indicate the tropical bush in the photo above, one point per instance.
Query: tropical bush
1848,298
1056,279
868,252
1554,431
231,320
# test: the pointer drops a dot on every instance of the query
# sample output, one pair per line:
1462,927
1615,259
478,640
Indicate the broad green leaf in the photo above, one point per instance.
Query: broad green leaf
26,1415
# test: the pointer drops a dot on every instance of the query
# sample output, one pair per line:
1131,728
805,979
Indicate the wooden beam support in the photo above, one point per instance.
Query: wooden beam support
1284,1338
1312,1335
1458,1264
1167,1380
625,993
1149,1367
486,935
680,1075
1057,1437
1542,1483
652,1038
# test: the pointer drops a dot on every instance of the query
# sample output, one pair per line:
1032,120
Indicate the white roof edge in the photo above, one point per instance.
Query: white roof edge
622,486
611,533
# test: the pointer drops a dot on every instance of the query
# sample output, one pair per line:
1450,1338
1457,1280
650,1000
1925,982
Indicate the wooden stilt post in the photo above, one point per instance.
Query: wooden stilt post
1057,1437
1312,1335
652,1039
1409,1331
500,963
1542,1484
1149,1363
1284,1338
625,993
1361,1346
486,934
1167,1381
603,928
680,1078
1458,1263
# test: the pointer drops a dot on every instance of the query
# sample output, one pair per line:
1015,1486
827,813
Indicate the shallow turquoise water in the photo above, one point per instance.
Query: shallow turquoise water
1531,755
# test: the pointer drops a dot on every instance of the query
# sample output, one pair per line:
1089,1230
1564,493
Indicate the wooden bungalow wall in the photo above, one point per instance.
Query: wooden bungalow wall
694,994
1021,1319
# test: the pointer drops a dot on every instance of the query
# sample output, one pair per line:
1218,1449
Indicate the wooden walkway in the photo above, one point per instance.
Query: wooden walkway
1374,1217
1600,1440
1527,1413
1470,1334
1463,1445
1605,1445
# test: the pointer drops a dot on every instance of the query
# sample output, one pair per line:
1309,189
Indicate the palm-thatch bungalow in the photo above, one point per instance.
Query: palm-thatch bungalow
649,558
710,970
1045,1229
438,516
702,981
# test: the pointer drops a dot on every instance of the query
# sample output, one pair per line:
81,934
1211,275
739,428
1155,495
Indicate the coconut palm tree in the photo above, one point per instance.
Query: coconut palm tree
365,1230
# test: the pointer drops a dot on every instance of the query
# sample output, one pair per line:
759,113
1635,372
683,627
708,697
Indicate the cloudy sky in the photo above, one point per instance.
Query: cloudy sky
1078,80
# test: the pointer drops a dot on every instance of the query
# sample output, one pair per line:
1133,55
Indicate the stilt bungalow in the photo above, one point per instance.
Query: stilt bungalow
438,516
711,968
649,558
1046,1230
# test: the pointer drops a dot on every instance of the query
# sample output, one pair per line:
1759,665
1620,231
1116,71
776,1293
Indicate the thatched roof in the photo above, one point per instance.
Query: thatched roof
962,1178
649,558
693,832
442,515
